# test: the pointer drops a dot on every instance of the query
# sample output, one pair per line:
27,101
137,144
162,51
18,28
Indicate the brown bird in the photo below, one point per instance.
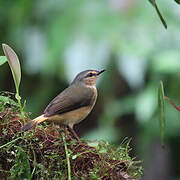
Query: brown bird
73,104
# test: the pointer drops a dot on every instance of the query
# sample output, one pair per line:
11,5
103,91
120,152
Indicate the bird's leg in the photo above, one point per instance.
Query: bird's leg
64,127
78,139
67,134
74,134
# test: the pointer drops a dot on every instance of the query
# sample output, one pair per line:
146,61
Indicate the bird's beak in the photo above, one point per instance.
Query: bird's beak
101,71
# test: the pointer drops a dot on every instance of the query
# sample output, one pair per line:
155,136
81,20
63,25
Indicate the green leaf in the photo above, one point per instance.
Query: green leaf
74,156
7,100
153,2
177,1
3,59
161,112
13,63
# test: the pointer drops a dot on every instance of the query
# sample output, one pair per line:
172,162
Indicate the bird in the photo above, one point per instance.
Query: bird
73,104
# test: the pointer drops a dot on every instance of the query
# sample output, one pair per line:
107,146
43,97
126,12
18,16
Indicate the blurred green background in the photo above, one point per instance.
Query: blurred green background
55,40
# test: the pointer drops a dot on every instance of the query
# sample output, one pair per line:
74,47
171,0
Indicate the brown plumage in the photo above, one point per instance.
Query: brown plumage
73,104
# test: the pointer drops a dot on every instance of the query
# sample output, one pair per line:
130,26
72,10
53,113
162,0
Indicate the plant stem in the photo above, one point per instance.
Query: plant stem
67,157
19,102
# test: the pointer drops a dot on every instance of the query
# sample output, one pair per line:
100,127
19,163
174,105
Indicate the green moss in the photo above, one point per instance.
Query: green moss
40,153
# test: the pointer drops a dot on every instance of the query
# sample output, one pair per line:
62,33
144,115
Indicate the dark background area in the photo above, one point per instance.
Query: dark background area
55,40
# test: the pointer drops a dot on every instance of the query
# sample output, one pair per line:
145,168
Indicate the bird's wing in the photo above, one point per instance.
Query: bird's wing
70,99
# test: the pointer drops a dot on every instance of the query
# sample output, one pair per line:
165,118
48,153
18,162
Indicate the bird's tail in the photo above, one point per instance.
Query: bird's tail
33,123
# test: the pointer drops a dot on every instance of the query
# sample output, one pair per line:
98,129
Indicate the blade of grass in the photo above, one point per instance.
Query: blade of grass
161,112
67,157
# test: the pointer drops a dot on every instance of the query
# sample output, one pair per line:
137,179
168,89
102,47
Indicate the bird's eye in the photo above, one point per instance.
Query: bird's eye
90,75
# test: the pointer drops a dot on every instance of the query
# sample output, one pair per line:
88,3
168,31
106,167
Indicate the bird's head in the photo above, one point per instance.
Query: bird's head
87,77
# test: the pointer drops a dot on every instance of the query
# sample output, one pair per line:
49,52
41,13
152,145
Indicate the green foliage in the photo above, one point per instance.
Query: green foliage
21,169
161,112
3,60
6,100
